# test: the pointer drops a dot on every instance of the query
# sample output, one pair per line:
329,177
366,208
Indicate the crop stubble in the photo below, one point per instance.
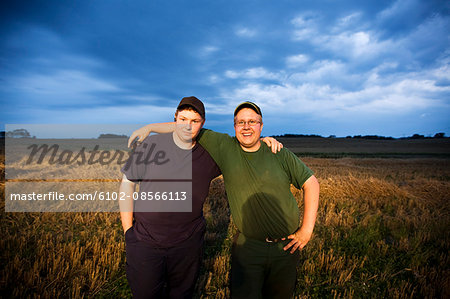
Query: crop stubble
382,230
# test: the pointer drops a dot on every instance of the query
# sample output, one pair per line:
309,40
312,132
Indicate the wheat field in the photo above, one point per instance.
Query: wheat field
382,231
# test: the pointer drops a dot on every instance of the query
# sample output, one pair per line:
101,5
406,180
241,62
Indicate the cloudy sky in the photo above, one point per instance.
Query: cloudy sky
314,66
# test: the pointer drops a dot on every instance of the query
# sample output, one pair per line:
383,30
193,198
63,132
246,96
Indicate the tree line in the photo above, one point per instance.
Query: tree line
23,133
373,137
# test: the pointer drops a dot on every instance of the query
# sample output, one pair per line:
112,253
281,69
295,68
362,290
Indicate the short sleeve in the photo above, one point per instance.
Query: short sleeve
134,171
298,172
214,143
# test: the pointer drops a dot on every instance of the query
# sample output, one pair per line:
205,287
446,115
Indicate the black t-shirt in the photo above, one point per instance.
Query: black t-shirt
167,229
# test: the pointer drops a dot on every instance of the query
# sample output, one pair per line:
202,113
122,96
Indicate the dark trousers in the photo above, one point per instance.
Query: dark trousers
262,270
162,272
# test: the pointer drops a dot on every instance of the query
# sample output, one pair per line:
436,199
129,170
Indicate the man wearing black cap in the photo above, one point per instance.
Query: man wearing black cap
265,252
165,248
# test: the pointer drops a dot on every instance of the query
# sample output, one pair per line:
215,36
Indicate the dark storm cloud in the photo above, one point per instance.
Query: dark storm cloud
69,61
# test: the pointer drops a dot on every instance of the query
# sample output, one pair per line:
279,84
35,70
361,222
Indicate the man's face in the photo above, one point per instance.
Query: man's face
189,123
248,126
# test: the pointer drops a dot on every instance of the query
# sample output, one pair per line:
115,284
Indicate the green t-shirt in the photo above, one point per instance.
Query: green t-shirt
258,185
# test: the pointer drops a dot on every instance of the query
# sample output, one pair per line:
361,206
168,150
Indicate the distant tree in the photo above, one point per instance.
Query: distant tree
439,135
18,133
376,137
332,136
373,137
292,135
417,136
112,136
289,135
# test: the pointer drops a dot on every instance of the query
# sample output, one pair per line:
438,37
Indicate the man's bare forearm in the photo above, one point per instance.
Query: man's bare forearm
161,127
144,131
302,236
126,206
311,197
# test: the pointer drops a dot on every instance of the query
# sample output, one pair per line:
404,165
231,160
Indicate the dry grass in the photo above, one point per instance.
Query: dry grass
382,231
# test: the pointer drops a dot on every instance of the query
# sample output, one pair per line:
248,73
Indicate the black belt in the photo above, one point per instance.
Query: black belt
271,240
267,240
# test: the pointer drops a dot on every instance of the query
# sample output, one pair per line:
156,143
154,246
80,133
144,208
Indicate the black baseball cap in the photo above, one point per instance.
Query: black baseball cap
247,104
194,103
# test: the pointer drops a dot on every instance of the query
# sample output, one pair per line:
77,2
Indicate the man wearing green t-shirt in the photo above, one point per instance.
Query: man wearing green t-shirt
257,182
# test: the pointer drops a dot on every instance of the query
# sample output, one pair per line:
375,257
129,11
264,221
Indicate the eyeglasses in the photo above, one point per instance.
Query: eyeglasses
251,123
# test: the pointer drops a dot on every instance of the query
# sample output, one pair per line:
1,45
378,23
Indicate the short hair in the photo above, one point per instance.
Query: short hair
188,108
